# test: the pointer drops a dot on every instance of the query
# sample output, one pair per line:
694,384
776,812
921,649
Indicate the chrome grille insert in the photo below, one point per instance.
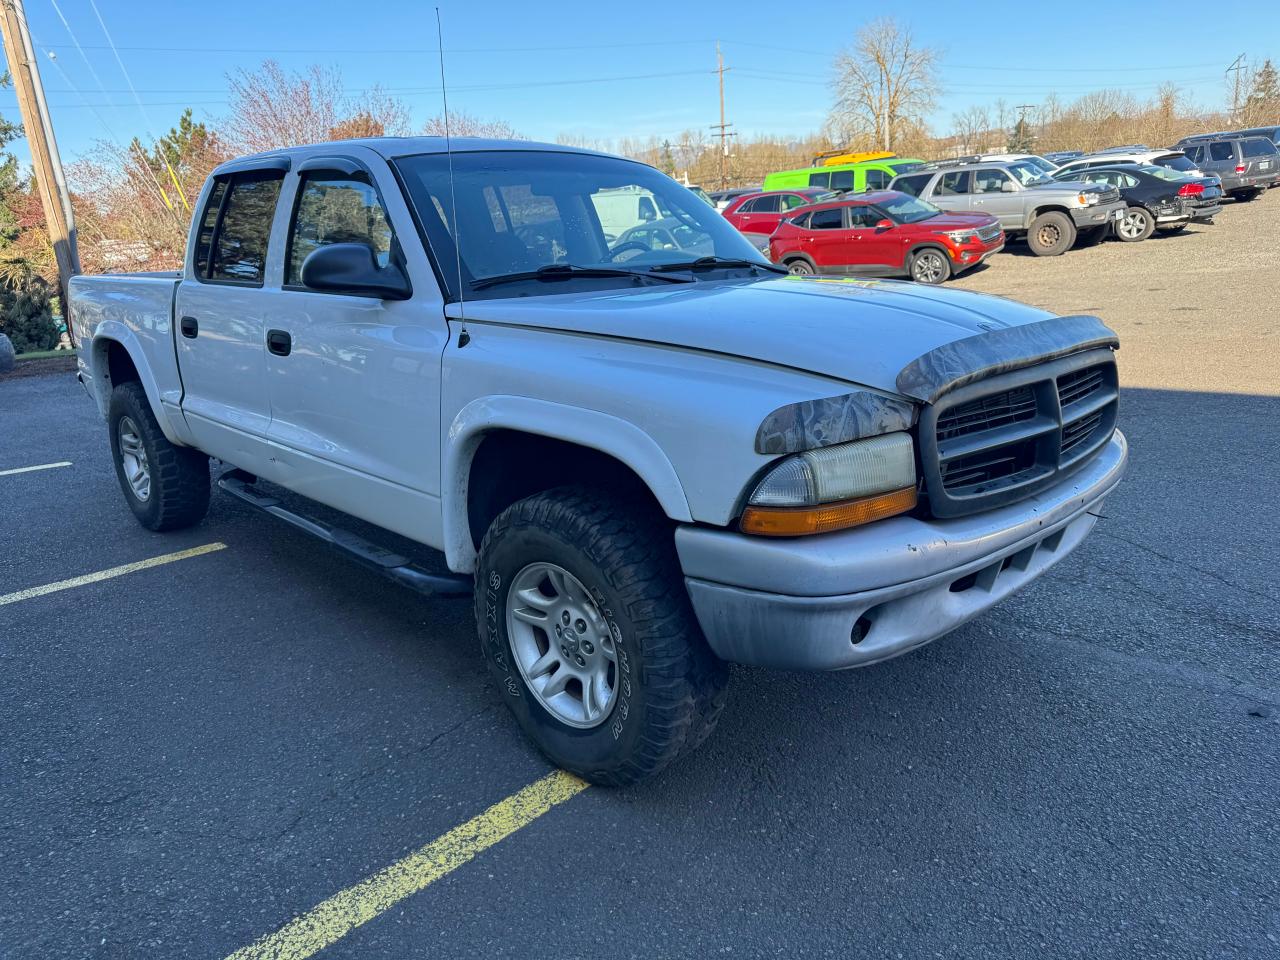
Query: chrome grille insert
1003,438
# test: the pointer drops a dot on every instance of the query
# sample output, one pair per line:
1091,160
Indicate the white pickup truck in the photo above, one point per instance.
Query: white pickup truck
649,460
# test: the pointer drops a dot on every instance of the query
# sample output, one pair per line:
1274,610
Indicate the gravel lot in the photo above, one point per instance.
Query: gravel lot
193,754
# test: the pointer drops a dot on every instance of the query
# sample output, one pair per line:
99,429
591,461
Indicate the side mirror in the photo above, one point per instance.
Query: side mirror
1007,187
351,268
885,224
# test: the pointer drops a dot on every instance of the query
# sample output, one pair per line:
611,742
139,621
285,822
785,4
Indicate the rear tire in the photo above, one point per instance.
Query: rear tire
1137,224
930,266
166,486
1051,234
800,268
608,565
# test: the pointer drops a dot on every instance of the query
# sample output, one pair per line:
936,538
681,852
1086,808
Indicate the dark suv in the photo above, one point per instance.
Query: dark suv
1247,165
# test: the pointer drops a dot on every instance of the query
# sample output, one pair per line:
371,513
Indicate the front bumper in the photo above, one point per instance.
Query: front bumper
859,596
965,257
1098,215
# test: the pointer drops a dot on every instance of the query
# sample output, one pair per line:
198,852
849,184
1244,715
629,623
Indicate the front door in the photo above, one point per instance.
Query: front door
875,251
990,195
221,313
355,380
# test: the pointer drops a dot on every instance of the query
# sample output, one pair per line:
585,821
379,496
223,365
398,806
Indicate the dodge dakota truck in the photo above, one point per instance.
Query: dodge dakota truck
643,462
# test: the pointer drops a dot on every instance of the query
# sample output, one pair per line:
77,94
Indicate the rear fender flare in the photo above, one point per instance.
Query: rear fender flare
107,333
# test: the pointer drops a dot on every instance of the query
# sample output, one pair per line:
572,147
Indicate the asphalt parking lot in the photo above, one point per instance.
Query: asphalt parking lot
196,752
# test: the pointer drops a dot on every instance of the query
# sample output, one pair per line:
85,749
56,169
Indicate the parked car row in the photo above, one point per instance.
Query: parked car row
883,215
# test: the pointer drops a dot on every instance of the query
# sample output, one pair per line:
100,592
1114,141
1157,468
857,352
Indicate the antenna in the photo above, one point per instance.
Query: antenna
463,337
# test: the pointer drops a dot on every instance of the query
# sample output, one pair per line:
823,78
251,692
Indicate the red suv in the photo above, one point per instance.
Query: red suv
762,212
885,233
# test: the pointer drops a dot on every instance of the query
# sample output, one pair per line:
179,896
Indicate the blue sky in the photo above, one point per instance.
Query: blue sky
606,70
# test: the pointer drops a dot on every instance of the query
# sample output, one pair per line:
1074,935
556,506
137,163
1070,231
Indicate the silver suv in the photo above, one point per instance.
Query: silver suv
1246,165
1050,213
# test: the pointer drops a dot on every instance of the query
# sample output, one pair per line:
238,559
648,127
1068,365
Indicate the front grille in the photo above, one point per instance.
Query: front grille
1006,437
989,233
1110,195
987,413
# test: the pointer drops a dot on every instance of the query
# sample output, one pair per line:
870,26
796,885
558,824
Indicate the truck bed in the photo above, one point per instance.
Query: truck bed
135,309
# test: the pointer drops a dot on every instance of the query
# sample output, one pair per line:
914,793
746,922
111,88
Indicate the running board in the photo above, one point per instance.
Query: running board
389,564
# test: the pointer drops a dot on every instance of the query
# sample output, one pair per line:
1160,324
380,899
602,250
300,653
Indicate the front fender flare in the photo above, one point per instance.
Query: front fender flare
619,438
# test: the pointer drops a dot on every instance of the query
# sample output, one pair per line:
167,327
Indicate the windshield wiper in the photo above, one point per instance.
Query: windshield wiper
563,271
713,263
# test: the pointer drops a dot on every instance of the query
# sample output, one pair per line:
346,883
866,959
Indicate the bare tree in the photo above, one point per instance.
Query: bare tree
272,107
884,84
972,129
465,125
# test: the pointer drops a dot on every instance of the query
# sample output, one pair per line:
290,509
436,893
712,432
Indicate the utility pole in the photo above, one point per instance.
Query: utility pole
50,182
1236,66
722,126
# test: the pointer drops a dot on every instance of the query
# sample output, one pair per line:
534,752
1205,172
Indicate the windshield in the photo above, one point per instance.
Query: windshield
1028,173
905,208
1176,161
1040,163
519,210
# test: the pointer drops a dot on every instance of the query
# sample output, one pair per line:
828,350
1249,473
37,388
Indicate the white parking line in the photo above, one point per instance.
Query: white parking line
108,574
39,466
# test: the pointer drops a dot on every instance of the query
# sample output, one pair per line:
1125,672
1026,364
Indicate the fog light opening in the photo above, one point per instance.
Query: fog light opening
964,583
860,630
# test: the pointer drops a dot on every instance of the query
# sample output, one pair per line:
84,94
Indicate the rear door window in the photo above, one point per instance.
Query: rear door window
239,253
842,180
820,179
1221,151
830,219
765,204
952,184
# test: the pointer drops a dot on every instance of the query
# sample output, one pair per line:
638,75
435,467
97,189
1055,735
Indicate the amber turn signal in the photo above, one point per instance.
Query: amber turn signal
798,521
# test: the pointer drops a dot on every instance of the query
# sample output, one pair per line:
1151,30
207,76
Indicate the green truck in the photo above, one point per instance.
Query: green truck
848,171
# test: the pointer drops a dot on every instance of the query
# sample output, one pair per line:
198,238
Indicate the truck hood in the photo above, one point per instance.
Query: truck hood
859,331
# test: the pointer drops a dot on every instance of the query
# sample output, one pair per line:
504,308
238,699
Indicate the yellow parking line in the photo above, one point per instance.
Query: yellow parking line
39,466
108,574
334,918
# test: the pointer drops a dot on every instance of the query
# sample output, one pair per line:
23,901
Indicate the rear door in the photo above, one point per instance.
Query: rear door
952,191
222,316
991,196
828,240
758,215
355,380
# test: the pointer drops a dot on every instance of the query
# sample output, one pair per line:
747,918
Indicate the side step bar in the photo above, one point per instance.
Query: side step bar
389,564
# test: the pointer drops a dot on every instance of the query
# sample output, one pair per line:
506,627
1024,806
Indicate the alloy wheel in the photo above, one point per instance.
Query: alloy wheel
562,645
133,457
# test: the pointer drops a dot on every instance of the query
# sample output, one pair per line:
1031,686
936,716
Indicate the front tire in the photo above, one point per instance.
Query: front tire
930,266
1051,234
587,629
166,486
1136,224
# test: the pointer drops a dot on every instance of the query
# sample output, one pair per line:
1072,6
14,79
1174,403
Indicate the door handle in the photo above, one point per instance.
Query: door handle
190,327
279,342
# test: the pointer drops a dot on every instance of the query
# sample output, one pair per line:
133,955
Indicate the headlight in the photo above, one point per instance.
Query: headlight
960,236
1089,199
834,487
